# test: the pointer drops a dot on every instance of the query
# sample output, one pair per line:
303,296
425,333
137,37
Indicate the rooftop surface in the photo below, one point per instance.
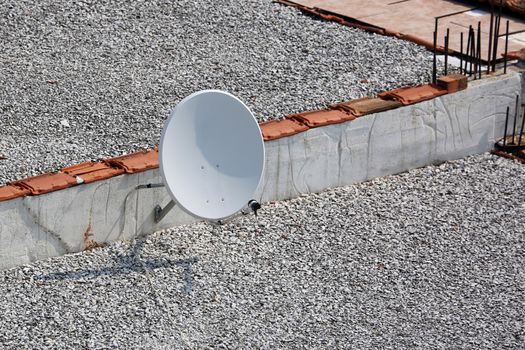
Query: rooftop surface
428,259
399,18
95,79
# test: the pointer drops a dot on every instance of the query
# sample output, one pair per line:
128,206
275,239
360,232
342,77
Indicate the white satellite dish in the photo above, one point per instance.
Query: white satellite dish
211,156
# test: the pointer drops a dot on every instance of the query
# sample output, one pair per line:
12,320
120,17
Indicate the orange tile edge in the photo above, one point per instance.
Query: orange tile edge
414,94
516,55
318,118
136,162
8,192
367,105
276,129
45,183
89,172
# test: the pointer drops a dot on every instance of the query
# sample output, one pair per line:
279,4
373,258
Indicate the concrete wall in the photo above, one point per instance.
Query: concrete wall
66,221
448,127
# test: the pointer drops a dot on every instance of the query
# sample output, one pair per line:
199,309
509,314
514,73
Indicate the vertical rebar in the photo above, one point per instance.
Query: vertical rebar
434,66
506,124
506,48
496,37
515,118
472,50
522,125
490,36
467,52
446,51
478,52
461,53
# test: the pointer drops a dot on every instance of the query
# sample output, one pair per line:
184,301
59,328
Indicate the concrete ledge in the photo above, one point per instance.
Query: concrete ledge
448,127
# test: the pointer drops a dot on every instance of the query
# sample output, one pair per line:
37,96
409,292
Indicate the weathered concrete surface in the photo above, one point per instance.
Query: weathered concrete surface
449,127
76,218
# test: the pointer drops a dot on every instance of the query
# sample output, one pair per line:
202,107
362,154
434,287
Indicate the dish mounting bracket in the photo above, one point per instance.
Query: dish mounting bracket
158,211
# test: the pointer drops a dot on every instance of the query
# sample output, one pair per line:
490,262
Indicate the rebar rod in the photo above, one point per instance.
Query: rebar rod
446,51
461,53
506,124
515,118
490,36
506,48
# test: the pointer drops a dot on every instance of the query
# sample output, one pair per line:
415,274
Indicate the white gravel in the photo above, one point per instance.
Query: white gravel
429,259
84,80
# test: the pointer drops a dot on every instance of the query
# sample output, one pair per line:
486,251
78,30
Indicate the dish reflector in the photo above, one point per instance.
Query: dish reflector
211,154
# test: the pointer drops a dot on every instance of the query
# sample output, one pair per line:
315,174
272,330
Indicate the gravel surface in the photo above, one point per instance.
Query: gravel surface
84,80
429,259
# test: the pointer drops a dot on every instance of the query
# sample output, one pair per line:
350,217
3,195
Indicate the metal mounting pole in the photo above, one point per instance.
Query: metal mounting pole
160,212
140,187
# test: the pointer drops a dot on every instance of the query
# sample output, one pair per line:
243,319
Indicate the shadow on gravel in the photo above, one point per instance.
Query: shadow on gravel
126,264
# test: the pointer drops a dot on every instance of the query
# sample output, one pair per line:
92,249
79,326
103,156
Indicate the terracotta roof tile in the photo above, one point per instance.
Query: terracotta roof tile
315,119
275,129
421,41
517,55
367,105
11,192
92,171
453,82
519,158
46,183
136,162
411,95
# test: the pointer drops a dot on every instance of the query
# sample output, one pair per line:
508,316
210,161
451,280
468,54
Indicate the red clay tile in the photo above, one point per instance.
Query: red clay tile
10,192
411,95
136,162
519,158
275,129
420,41
92,171
329,17
367,105
453,82
46,183
517,55
315,119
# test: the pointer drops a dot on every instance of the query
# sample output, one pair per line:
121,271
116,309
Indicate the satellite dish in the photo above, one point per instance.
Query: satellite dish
211,155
